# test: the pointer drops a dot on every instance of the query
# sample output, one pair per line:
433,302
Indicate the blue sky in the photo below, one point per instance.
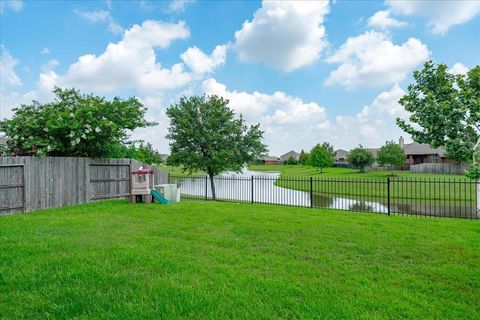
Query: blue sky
307,71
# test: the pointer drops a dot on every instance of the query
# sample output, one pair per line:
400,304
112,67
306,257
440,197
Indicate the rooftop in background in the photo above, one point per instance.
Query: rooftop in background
295,155
415,152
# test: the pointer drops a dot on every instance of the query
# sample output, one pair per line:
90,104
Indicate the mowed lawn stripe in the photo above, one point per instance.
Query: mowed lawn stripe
113,260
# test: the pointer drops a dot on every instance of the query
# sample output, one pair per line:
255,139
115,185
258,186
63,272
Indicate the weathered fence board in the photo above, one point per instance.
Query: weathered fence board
12,180
445,168
33,183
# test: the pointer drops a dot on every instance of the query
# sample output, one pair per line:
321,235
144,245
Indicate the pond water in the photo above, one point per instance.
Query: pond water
239,186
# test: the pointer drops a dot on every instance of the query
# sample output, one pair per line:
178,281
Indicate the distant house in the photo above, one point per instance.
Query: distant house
415,152
341,156
423,153
293,154
271,160
373,151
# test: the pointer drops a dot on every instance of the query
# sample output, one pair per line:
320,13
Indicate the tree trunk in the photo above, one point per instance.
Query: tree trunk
474,155
212,187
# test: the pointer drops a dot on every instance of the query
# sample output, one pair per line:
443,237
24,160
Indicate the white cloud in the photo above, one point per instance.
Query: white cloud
382,20
289,122
286,35
43,92
441,14
128,65
102,16
179,5
8,77
14,5
371,60
45,50
49,66
458,68
200,63
156,111
374,124
131,63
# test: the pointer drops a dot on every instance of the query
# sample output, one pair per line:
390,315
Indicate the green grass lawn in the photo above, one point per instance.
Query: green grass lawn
178,171
211,260
305,171
348,182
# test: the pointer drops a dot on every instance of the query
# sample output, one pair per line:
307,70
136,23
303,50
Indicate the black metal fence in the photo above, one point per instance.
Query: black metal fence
455,198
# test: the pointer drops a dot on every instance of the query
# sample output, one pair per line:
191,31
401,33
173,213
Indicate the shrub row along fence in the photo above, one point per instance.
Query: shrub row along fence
33,183
456,198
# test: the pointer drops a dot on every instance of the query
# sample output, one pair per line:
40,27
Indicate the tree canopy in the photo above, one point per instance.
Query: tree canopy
327,146
291,161
206,136
303,158
360,158
445,110
142,152
321,157
73,125
391,154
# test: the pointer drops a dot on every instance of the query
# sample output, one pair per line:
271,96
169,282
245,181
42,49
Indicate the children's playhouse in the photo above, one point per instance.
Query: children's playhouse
143,188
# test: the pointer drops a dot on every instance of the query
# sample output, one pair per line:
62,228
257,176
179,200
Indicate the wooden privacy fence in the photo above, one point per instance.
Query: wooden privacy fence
12,187
33,183
446,168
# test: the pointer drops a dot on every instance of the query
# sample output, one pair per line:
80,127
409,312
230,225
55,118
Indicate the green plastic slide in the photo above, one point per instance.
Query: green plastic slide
157,196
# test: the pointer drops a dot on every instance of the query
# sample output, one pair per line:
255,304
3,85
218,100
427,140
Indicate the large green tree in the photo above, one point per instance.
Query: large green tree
142,151
206,136
391,154
73,125
327,146
303,158
445,110
320,157
360,158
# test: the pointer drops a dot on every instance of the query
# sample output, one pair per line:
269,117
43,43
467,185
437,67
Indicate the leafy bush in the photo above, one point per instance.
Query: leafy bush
73,125
391,154
291,161
360,158
321,157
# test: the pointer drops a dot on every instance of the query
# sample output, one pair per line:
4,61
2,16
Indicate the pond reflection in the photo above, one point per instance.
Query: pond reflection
259,187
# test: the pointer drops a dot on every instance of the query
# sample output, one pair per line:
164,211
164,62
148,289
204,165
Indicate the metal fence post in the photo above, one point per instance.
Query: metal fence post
206,187
388,194
477,199
253,200
311,192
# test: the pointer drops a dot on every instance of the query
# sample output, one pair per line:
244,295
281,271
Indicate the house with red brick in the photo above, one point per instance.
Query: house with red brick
415,152
423,153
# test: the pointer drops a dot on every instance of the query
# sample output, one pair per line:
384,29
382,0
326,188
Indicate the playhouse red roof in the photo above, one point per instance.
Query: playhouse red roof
142,171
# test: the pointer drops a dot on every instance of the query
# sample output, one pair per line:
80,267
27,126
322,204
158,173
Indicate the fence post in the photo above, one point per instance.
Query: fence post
206,187
311,192
477,199
388,194
253,200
